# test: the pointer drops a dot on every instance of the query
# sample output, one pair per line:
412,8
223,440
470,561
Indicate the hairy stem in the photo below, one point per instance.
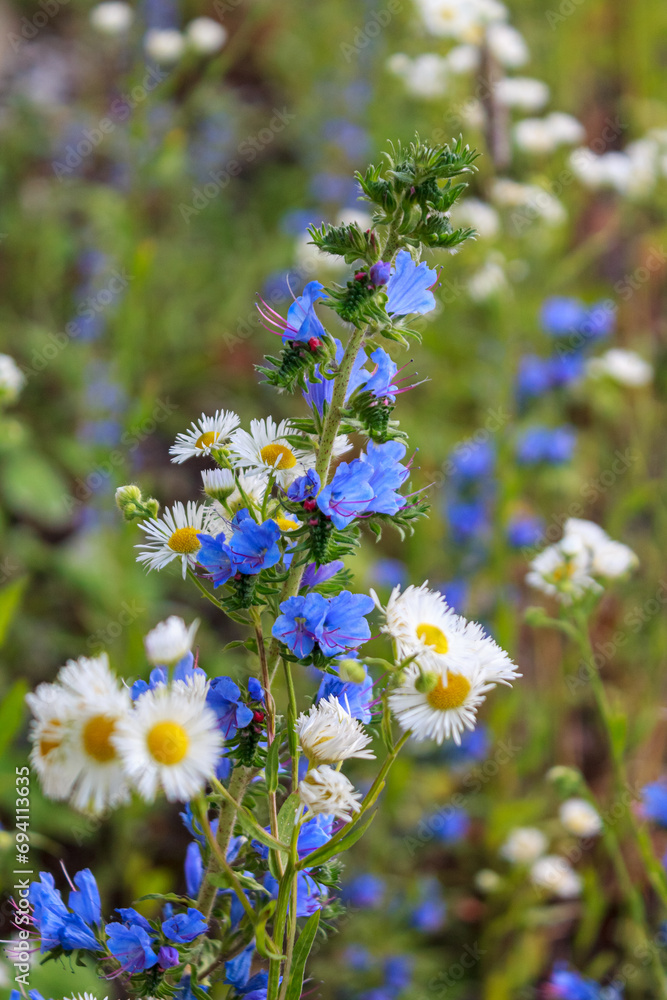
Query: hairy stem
238,783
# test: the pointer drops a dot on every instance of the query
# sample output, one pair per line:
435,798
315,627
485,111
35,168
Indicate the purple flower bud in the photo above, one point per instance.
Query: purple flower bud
167,957
380,272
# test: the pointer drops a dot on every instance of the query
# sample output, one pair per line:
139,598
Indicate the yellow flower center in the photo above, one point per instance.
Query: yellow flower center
168,742
97,738
185,541
286,524
563,572
433,636
453,695
206,440
278,456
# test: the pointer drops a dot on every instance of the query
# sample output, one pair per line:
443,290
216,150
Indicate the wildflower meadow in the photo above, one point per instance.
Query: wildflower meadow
333,512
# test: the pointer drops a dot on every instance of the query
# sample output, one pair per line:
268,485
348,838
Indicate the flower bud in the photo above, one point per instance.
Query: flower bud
567,780
426,681
127,495
351,671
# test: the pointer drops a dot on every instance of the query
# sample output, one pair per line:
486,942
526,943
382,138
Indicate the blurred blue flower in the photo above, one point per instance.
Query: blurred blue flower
449,825
473,461
456,593
553,446
561,315
132,946
600,321
467,519
339,188
408,288
533,377
654,802
365,891
566,984
351,138
357,957
429,914
525,530
398,972
389,572
296,220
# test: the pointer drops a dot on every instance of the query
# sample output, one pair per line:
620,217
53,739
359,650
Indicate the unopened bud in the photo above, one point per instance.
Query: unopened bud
126,495
567,780
426,681
351,671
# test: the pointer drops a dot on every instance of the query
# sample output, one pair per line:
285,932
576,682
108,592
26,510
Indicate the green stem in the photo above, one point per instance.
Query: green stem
291,928
238,783
279,920
270,721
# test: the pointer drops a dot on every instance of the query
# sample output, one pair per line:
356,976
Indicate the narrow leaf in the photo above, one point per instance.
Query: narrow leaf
323,854
300,956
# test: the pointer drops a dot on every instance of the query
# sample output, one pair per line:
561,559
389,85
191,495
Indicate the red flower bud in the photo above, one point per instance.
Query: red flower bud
360,275
258,716
310,504
314,343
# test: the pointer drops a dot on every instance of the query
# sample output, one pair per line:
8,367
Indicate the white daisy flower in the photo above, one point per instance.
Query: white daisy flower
205,434
12,379
174,536
466,663
524,845
329,733
563,570
78,742
579,817
170,640
327,791
205,35
613,560
245,491
112,17
556,875
624,367
164,45
170,741
266,450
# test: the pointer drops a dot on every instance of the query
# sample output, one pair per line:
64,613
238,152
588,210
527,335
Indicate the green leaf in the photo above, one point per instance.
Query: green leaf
265,947
34,488
11,713
10,599
271,768
168,897
323,854
300,956
286,817
254,830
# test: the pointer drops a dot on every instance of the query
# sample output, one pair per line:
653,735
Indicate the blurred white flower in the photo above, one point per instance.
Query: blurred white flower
565,128
164,45
424,76
327,791
580,818
462,59
567,570
544,135
613,559
114,17
507,45
631,173
534,201
556,875
479,215
488,281
625,367
521,92
170,640
205,35
487,881
12,379
524,845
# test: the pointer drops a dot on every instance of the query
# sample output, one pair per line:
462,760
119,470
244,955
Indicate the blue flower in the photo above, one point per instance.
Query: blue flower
194,869
525,531
224,698
565,368
254,546
131,917
255,689
85,900
168,957
534,376
305,487
302,320
49,910
389,572
184,927
600,321
357,957
320,389
313,834
132,946
429,915
308,898
215,556
381,382
75,933
554,446
654,802
449,825
344,626
365,891
300,623
467,519
566,984
398,972
473,461
408,288
379,273
357,698
456,592
314,575
561,316
366,485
